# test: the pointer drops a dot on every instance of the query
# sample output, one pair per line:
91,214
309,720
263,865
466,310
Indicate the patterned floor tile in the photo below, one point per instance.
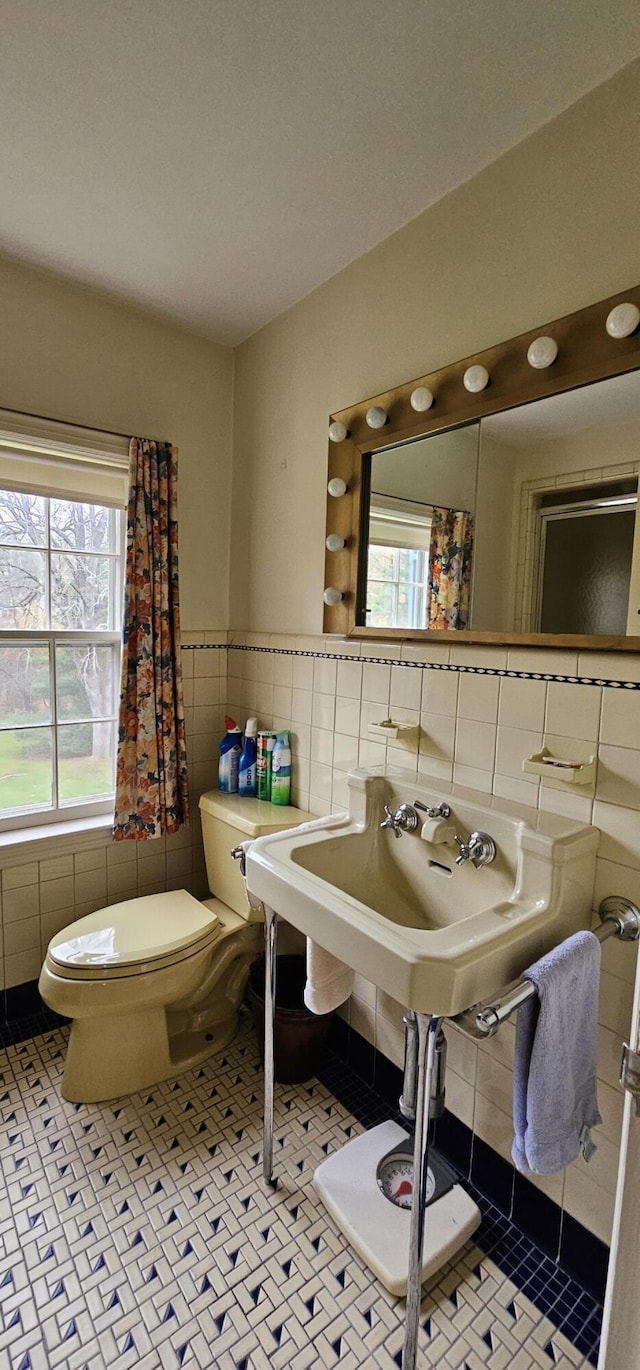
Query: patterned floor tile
140,1233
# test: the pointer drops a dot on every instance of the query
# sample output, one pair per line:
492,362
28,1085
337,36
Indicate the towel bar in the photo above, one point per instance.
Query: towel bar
618,918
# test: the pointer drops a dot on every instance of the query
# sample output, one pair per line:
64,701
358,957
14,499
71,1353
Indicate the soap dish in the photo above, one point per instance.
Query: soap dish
569,772
390,730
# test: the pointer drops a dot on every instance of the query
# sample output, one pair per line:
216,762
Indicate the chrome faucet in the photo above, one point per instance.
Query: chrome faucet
405,819
480,849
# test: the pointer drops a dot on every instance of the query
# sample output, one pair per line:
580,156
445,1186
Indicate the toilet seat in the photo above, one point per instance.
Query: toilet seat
134,937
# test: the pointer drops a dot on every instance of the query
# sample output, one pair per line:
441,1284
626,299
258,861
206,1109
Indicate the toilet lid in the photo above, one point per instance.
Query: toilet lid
137,930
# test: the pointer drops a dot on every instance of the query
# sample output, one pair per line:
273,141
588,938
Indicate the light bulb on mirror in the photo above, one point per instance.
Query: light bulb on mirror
475,379
337,487
421,399
337,431
334,542
542,352
376,417
623,320
331,595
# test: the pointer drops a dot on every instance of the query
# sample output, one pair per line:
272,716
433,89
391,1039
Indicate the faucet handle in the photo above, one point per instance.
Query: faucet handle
440,810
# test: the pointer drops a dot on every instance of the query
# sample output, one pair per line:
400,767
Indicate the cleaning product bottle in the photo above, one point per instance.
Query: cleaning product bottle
229,757
263,765
248,758
281,770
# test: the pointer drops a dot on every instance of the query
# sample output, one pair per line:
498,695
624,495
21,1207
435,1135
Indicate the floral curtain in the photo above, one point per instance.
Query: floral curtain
450,568
151,783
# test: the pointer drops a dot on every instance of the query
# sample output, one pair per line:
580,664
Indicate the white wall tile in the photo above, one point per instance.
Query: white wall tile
13,877
440,692
619,776
324,676
19,903
406,688
522,704
478,697
323,711
349,679
513,746
347,718
376,683
573,710
55,867
475,744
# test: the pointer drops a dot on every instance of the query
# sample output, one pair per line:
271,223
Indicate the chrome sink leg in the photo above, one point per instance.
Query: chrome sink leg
270,944
428,1029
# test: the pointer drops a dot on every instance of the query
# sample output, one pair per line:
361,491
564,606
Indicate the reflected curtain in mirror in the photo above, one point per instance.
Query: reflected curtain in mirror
450,556
151,784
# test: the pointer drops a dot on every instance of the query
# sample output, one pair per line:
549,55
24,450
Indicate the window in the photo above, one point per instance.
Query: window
397,564
60,636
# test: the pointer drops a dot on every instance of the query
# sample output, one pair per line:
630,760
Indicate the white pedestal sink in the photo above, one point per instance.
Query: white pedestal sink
436,935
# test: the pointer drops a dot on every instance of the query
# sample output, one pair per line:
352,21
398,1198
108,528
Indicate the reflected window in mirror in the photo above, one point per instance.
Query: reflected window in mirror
419,528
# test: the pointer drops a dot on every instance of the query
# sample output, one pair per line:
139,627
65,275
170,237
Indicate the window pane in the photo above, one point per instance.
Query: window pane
380,605
382,563
86,681
25,769
22,588
86,753
22,519
80,591
411,564
24,684
82,527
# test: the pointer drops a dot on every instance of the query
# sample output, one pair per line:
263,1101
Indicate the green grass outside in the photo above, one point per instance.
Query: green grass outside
25,779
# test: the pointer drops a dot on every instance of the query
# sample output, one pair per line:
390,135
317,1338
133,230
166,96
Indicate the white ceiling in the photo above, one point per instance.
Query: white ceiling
218,159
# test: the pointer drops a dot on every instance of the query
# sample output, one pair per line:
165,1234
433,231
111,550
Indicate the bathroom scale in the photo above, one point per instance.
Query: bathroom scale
367,1187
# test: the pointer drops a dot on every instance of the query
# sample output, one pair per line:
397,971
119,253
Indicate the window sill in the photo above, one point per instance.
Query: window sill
54,839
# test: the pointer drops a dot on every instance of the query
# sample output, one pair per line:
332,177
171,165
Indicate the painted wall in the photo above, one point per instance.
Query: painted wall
543,231
70,354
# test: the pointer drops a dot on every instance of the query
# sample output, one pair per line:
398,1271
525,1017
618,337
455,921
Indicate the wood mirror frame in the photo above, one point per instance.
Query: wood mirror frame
586,353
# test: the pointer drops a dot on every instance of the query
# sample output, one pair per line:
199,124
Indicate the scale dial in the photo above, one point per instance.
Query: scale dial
395,1178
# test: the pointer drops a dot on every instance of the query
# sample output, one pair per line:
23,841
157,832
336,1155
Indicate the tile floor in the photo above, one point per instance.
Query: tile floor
140,1234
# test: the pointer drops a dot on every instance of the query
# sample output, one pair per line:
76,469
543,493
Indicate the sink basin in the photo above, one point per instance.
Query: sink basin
436,936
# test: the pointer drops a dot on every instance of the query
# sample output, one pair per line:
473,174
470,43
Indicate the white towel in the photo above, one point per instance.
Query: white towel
329,981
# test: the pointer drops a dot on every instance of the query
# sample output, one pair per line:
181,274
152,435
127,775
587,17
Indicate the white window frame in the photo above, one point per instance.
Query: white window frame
58,461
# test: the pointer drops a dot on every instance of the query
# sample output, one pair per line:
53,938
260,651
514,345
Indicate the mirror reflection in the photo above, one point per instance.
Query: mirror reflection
525,522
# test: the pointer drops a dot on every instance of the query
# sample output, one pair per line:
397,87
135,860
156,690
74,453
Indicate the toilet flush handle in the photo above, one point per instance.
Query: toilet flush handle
239,854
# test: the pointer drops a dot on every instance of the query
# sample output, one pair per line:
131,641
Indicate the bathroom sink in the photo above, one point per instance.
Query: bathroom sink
435,935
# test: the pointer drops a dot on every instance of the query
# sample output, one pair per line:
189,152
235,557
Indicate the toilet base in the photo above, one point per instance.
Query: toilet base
135,1052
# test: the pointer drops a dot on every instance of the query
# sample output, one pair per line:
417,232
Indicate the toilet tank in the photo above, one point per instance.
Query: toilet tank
228,819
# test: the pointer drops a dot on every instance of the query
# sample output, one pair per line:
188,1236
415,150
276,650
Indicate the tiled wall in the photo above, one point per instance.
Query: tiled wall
473,727
40,896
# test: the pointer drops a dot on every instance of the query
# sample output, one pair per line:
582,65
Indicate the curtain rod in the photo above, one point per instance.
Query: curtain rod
86,427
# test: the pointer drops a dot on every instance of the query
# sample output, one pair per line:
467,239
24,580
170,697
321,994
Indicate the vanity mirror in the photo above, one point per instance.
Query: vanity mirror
504,513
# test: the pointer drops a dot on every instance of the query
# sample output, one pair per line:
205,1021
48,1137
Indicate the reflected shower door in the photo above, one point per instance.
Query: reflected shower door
585,573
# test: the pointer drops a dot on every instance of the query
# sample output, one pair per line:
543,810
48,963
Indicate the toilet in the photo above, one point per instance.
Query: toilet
153,985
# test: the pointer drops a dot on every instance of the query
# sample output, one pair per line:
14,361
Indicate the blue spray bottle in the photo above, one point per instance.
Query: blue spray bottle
229,757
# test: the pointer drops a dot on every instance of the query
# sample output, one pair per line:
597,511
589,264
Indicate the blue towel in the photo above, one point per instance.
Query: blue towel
554,1083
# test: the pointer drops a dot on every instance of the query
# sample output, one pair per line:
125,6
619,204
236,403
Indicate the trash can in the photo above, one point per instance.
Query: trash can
299,1035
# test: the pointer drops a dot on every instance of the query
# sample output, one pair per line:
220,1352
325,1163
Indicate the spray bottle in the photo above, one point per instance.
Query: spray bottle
229,757
248,757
